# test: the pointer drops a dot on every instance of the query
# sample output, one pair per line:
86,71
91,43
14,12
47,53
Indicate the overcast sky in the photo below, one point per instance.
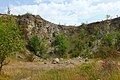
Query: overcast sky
69,12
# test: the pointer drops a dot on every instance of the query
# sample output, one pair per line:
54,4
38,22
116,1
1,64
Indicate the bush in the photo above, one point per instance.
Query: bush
10,38
74,53
38,46
117,40
87,53
82,33
61,44
108,39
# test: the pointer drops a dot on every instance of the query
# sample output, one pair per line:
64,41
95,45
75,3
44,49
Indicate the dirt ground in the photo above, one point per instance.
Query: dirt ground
45,64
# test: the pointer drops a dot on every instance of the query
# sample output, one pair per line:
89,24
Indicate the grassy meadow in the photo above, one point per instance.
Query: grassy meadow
93,70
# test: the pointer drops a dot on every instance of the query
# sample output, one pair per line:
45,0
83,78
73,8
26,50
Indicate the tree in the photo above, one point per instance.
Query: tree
79,47
38,46
83,45
117,39
108,39
80,44
107,47
82,33
10,38
61,44
107,17
8,12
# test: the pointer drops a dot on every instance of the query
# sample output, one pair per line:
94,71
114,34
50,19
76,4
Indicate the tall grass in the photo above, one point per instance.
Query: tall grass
107,70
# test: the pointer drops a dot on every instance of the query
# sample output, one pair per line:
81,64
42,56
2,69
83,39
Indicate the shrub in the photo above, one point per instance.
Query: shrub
117,40
82,33
10,38
38,46
75,53
61,44
108,39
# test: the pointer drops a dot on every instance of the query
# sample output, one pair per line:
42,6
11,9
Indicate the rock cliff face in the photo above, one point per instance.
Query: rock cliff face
35,25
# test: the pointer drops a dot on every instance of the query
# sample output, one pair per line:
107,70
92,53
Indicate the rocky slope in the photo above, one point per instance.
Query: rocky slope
35,25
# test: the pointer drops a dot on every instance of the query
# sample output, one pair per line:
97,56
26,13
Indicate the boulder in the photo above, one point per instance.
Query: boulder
56,60
45,62
80,60
86,59
61,59
79,57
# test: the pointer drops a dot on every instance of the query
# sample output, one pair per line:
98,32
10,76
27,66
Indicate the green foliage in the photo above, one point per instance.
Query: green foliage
82,33
82,45
61,45
107,46
118,40
79,47
34,44
118,36
75,53
38,46
108,39
87,53
79,44
10,37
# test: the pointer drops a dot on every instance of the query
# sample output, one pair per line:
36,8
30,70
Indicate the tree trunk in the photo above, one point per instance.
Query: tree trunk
1,65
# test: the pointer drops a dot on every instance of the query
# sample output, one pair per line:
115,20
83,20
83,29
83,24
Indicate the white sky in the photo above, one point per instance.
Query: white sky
69,12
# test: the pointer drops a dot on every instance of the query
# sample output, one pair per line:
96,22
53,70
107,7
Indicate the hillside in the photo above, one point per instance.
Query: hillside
94,32
35,25
32,48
